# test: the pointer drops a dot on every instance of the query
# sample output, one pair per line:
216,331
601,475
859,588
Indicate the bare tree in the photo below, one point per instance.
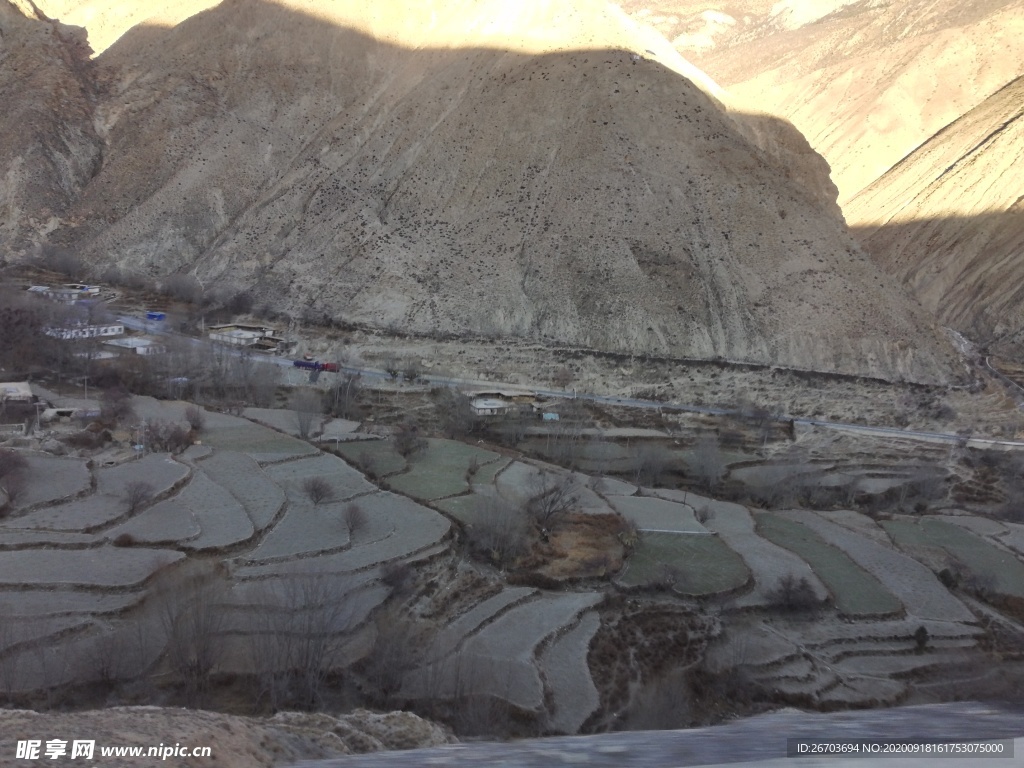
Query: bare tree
553,497
116,405
307,407
12,486
395,653
455,413
321,613
137,494
344,395
318,489
498,530
707,463
191,612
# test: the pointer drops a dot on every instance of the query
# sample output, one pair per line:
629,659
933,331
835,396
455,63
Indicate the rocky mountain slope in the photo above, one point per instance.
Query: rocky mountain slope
548,171
48,148
916,106
949,220
866,81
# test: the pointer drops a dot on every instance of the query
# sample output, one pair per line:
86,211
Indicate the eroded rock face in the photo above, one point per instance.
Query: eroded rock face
551,172
48,148
949,221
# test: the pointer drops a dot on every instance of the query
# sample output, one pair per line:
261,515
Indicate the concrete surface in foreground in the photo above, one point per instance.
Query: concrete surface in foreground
757,741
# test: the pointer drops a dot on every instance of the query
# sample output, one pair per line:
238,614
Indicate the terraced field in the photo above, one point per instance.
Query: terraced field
88,571
87,568
856,592
694,564
997,568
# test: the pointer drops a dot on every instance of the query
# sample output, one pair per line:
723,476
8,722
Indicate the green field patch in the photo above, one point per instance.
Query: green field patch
381,455
698,564
439,470
993,566
229,433
486,474
856,592
462,508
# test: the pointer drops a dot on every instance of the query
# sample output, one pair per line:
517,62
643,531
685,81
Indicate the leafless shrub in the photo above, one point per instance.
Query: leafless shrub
410,370
707,463
408,440
563,377
166,436
318,490
13,485
367,464
651,462
184,288
499,531
124,540
11,462
307,406
663,703
196,418
13,475
354,517
137,494
793,595
60,260
629,533
397,575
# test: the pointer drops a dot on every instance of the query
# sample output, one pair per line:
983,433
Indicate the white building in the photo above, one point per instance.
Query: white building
487,406
84,331
16,392
139,345
68,293
239,335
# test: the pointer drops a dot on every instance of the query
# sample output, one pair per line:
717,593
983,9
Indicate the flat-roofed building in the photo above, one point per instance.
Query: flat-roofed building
138,345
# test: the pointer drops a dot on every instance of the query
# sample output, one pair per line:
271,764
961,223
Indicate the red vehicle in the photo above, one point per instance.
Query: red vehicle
332,367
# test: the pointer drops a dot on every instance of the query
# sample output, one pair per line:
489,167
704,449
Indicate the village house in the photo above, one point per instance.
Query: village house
135,345
83,330
68,293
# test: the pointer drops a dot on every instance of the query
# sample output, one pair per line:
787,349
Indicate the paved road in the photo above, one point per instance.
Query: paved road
760,741
625,402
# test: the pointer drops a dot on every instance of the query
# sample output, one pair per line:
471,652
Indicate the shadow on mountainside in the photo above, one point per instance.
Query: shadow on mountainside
968,270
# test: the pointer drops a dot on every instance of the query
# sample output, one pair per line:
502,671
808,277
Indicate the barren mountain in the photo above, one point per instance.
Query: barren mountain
866,81
949,220
548,171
